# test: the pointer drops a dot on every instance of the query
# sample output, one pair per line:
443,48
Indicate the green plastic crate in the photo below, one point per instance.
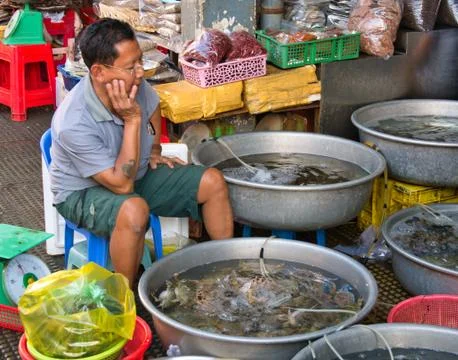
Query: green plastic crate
288,56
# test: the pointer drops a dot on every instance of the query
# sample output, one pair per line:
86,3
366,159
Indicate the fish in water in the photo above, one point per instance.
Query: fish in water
424,237
238,298
292,169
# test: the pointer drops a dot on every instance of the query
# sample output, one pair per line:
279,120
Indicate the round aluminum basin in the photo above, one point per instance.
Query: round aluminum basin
295,208
416,275
405,336
192,341
413,161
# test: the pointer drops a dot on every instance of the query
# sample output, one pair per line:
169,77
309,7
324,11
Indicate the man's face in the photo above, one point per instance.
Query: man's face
128,66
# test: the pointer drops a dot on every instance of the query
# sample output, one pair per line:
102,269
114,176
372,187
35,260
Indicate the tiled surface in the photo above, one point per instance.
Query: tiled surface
21,203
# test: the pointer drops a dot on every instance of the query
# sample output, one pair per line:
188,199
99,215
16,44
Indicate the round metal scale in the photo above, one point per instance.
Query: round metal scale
18,269
17,274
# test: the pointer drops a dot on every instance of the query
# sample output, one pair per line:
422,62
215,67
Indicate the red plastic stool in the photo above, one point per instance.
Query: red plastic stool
64,28
27,78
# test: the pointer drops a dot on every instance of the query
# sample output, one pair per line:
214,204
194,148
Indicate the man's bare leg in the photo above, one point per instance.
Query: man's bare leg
128,238
213,194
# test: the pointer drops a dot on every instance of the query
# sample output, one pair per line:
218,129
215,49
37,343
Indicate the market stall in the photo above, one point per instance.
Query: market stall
314,112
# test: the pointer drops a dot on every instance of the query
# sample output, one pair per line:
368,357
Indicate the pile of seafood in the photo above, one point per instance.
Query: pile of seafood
256,299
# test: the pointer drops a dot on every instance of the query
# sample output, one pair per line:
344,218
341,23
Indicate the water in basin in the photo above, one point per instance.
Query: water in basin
292,169
424,237
254,299
401,354
426,128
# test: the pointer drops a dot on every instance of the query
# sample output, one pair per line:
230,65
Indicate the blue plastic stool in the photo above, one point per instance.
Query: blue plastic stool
97,247
290,235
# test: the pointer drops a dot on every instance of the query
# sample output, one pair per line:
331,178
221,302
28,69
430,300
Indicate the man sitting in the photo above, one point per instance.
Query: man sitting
107,172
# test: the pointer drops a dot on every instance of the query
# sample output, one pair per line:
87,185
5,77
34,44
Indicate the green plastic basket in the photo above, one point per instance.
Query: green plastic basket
112,353
288,56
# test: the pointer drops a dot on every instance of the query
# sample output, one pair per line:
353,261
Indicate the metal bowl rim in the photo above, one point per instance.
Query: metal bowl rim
399,139
399,327
369,304
401,215
338,186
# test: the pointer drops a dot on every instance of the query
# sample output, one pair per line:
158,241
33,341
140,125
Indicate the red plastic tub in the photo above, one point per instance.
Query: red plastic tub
136,348
441,310
133,350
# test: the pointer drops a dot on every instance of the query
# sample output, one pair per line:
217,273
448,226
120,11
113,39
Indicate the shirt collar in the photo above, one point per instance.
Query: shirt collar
98,111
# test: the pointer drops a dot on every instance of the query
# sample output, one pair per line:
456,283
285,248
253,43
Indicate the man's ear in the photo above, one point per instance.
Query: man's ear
98,72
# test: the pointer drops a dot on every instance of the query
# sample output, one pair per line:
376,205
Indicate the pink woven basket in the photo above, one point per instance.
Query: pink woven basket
231,71
439,310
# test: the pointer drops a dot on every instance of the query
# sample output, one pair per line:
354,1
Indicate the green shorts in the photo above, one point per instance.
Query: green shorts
168,192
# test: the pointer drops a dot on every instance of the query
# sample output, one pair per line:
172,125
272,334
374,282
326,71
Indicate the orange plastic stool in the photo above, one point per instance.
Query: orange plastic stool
27,78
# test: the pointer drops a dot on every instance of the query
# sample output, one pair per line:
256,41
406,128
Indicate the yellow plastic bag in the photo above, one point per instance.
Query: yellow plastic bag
182,101
281,89
78,313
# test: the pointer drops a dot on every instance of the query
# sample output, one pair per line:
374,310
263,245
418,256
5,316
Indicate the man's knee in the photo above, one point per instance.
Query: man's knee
214,180
134,213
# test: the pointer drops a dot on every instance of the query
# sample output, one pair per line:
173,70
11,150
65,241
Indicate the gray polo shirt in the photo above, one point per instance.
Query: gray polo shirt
87,138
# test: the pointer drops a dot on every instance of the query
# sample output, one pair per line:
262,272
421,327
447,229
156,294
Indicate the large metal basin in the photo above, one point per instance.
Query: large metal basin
413,161
404,336
192,341
416,275
295,208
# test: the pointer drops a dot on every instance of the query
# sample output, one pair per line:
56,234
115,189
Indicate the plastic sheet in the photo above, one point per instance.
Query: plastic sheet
182,101
368,247
281,89
378,22
244,45
420,15
448,13
339,11
210,48
78,313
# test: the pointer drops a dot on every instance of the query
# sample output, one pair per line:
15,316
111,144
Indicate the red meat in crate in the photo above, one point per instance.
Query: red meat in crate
244,45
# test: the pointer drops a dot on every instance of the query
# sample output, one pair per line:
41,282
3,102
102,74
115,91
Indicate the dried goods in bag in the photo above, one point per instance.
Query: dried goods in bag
169,25
129,4
420,15
378,22
244,45
210,48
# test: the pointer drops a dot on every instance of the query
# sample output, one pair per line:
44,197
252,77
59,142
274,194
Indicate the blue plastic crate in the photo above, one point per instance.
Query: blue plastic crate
69,80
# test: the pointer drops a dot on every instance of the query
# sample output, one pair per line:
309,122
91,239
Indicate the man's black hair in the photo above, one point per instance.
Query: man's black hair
97,42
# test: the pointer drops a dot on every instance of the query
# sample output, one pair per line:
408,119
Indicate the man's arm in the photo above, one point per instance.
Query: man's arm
120,179
156,157
155,122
